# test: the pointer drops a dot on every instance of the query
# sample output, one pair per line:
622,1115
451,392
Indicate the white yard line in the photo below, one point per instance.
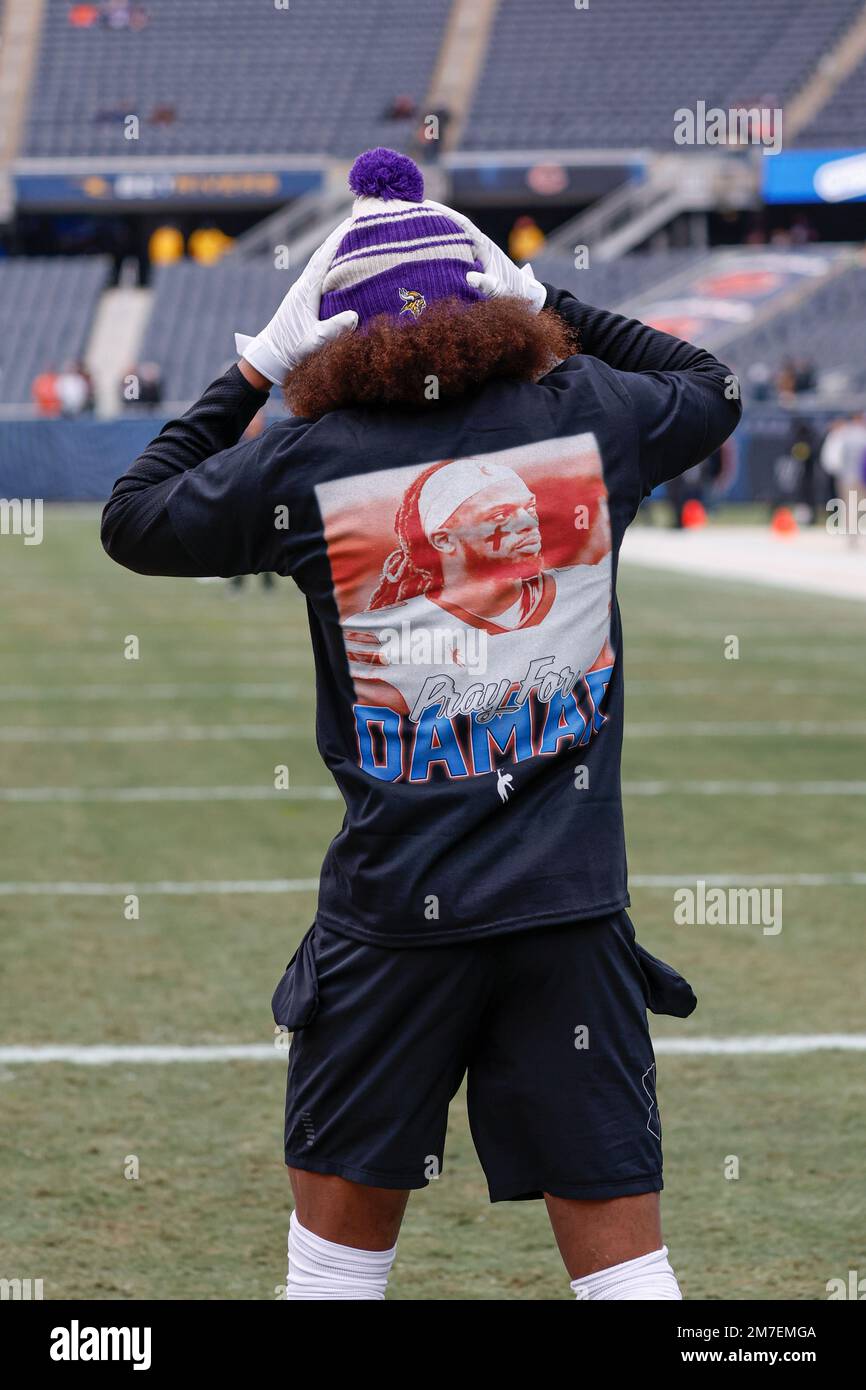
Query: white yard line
760,1044
745,728
745,788
244,886
99,1055
211,690
150,733
162,887
50,795
668,685
225,733
854,879
160,794
102,1055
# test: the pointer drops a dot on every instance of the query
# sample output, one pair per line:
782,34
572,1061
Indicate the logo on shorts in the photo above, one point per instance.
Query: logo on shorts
648,1081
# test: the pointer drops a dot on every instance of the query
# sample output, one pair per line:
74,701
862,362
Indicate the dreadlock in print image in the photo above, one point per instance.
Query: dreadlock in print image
474,598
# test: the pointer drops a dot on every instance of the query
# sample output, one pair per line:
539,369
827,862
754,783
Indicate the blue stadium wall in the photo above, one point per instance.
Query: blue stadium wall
70,460
79,460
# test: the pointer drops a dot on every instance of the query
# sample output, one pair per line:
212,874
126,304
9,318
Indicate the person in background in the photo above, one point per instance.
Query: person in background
142,385
429,138
84,16
44,393
74,389
402,108
804,451
163,114
150,383
802,231
716,474
786,378
843,456
759,381
687,487
119,14
805,378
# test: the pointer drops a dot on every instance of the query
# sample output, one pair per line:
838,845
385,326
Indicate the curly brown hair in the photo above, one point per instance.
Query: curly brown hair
459,346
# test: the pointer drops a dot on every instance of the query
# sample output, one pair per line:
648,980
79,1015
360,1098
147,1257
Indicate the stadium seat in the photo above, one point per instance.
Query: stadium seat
261,81
196,312
549,81
843,120
55,298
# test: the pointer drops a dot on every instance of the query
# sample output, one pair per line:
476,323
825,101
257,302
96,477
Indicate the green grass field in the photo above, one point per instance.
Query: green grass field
207,1216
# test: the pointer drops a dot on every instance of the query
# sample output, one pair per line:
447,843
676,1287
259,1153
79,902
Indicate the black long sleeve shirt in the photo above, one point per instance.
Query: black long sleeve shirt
468,656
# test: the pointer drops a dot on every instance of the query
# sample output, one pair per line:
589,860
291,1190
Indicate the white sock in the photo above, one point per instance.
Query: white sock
647,1277
320,1269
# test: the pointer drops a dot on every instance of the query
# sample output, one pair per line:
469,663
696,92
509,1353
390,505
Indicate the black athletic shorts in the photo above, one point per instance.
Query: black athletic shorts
550,1025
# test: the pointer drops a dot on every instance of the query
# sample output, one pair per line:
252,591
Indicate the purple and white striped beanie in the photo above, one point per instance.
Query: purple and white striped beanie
400,254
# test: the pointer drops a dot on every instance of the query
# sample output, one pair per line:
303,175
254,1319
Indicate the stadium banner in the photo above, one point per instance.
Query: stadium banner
548,178
719,298
137,188
815,176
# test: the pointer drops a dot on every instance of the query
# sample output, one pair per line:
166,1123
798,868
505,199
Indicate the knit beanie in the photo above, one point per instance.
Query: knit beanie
400,254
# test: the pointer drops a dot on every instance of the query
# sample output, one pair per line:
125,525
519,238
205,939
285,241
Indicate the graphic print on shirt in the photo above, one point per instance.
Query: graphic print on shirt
474,598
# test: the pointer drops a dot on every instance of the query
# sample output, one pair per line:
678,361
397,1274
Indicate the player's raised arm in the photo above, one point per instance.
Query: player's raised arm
197,473
686,402
137,530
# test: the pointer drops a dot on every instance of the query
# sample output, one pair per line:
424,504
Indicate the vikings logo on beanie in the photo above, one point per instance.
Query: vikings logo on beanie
400,254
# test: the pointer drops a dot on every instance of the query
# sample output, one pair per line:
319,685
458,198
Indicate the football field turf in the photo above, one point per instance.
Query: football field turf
138,776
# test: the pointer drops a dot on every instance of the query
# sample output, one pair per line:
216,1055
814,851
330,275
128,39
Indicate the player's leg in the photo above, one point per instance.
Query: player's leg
594,1235
349,1213
562,1099
342,1237
613,1249
380,1039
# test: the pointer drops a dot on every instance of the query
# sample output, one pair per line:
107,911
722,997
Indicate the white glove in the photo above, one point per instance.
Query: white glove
296,329
499,275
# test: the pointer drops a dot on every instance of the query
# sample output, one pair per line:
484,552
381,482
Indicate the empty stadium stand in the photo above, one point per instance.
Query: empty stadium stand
312,78
46,309
828,328
557,77
842,121
613,283
196,312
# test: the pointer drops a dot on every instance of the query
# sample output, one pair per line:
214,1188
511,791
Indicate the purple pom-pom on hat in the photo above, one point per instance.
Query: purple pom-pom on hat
385,174
399,254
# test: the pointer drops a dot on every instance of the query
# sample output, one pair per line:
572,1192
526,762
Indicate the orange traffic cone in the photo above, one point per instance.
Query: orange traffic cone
694,513
784,522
